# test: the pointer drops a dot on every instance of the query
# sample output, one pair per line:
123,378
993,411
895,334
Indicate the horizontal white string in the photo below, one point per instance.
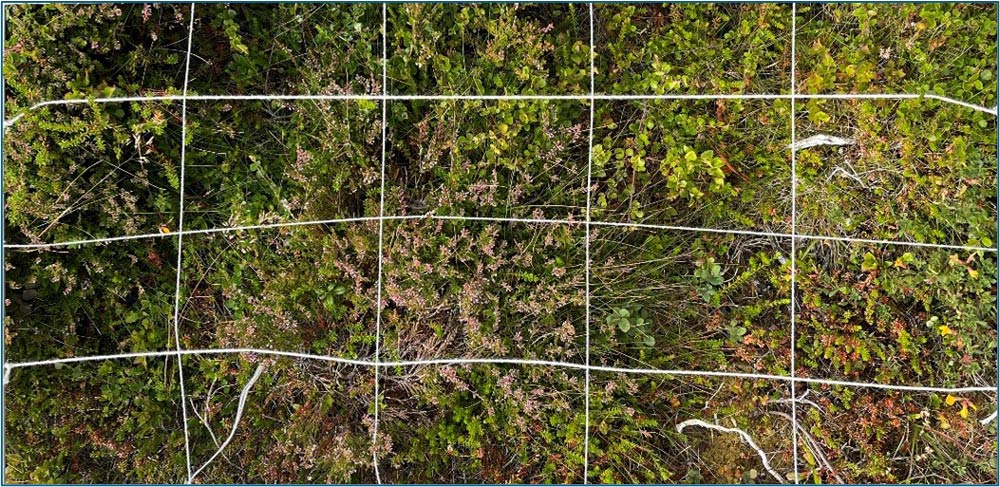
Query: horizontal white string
756,233
208,231
504,361
580,97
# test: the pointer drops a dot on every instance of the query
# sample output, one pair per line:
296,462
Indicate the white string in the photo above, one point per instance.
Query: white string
381,220
180,241
263,226
795,423
590,165
756,233
582,97
989,418
506,361
87,241
743,434
236,420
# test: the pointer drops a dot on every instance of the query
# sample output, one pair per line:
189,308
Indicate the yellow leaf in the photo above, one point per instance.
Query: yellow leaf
945,330
809,458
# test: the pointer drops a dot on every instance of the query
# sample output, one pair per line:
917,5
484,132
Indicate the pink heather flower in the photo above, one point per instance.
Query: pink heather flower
506,381
449,374
530,406
567,332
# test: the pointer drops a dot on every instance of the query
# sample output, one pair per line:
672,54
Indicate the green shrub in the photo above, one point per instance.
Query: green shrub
693,49
901,48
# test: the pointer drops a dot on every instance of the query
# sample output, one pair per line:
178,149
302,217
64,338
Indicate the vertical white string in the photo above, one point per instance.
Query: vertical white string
590,164
381,219
795,424
180,242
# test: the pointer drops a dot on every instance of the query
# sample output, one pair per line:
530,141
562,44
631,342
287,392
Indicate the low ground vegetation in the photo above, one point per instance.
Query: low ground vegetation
914,171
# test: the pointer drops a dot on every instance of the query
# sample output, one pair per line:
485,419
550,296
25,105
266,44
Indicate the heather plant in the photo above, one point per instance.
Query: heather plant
454,289
523,159
81,51
305,289
312,161
304,421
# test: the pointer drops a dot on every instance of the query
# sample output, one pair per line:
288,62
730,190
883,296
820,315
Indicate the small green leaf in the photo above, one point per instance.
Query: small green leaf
870,263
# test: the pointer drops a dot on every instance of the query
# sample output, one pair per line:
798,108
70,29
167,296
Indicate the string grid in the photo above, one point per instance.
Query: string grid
592,97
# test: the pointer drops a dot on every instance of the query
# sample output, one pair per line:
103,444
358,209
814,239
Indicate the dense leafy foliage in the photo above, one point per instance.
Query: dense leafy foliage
713,164
456,286
102,422
488,49
694,49
909,48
